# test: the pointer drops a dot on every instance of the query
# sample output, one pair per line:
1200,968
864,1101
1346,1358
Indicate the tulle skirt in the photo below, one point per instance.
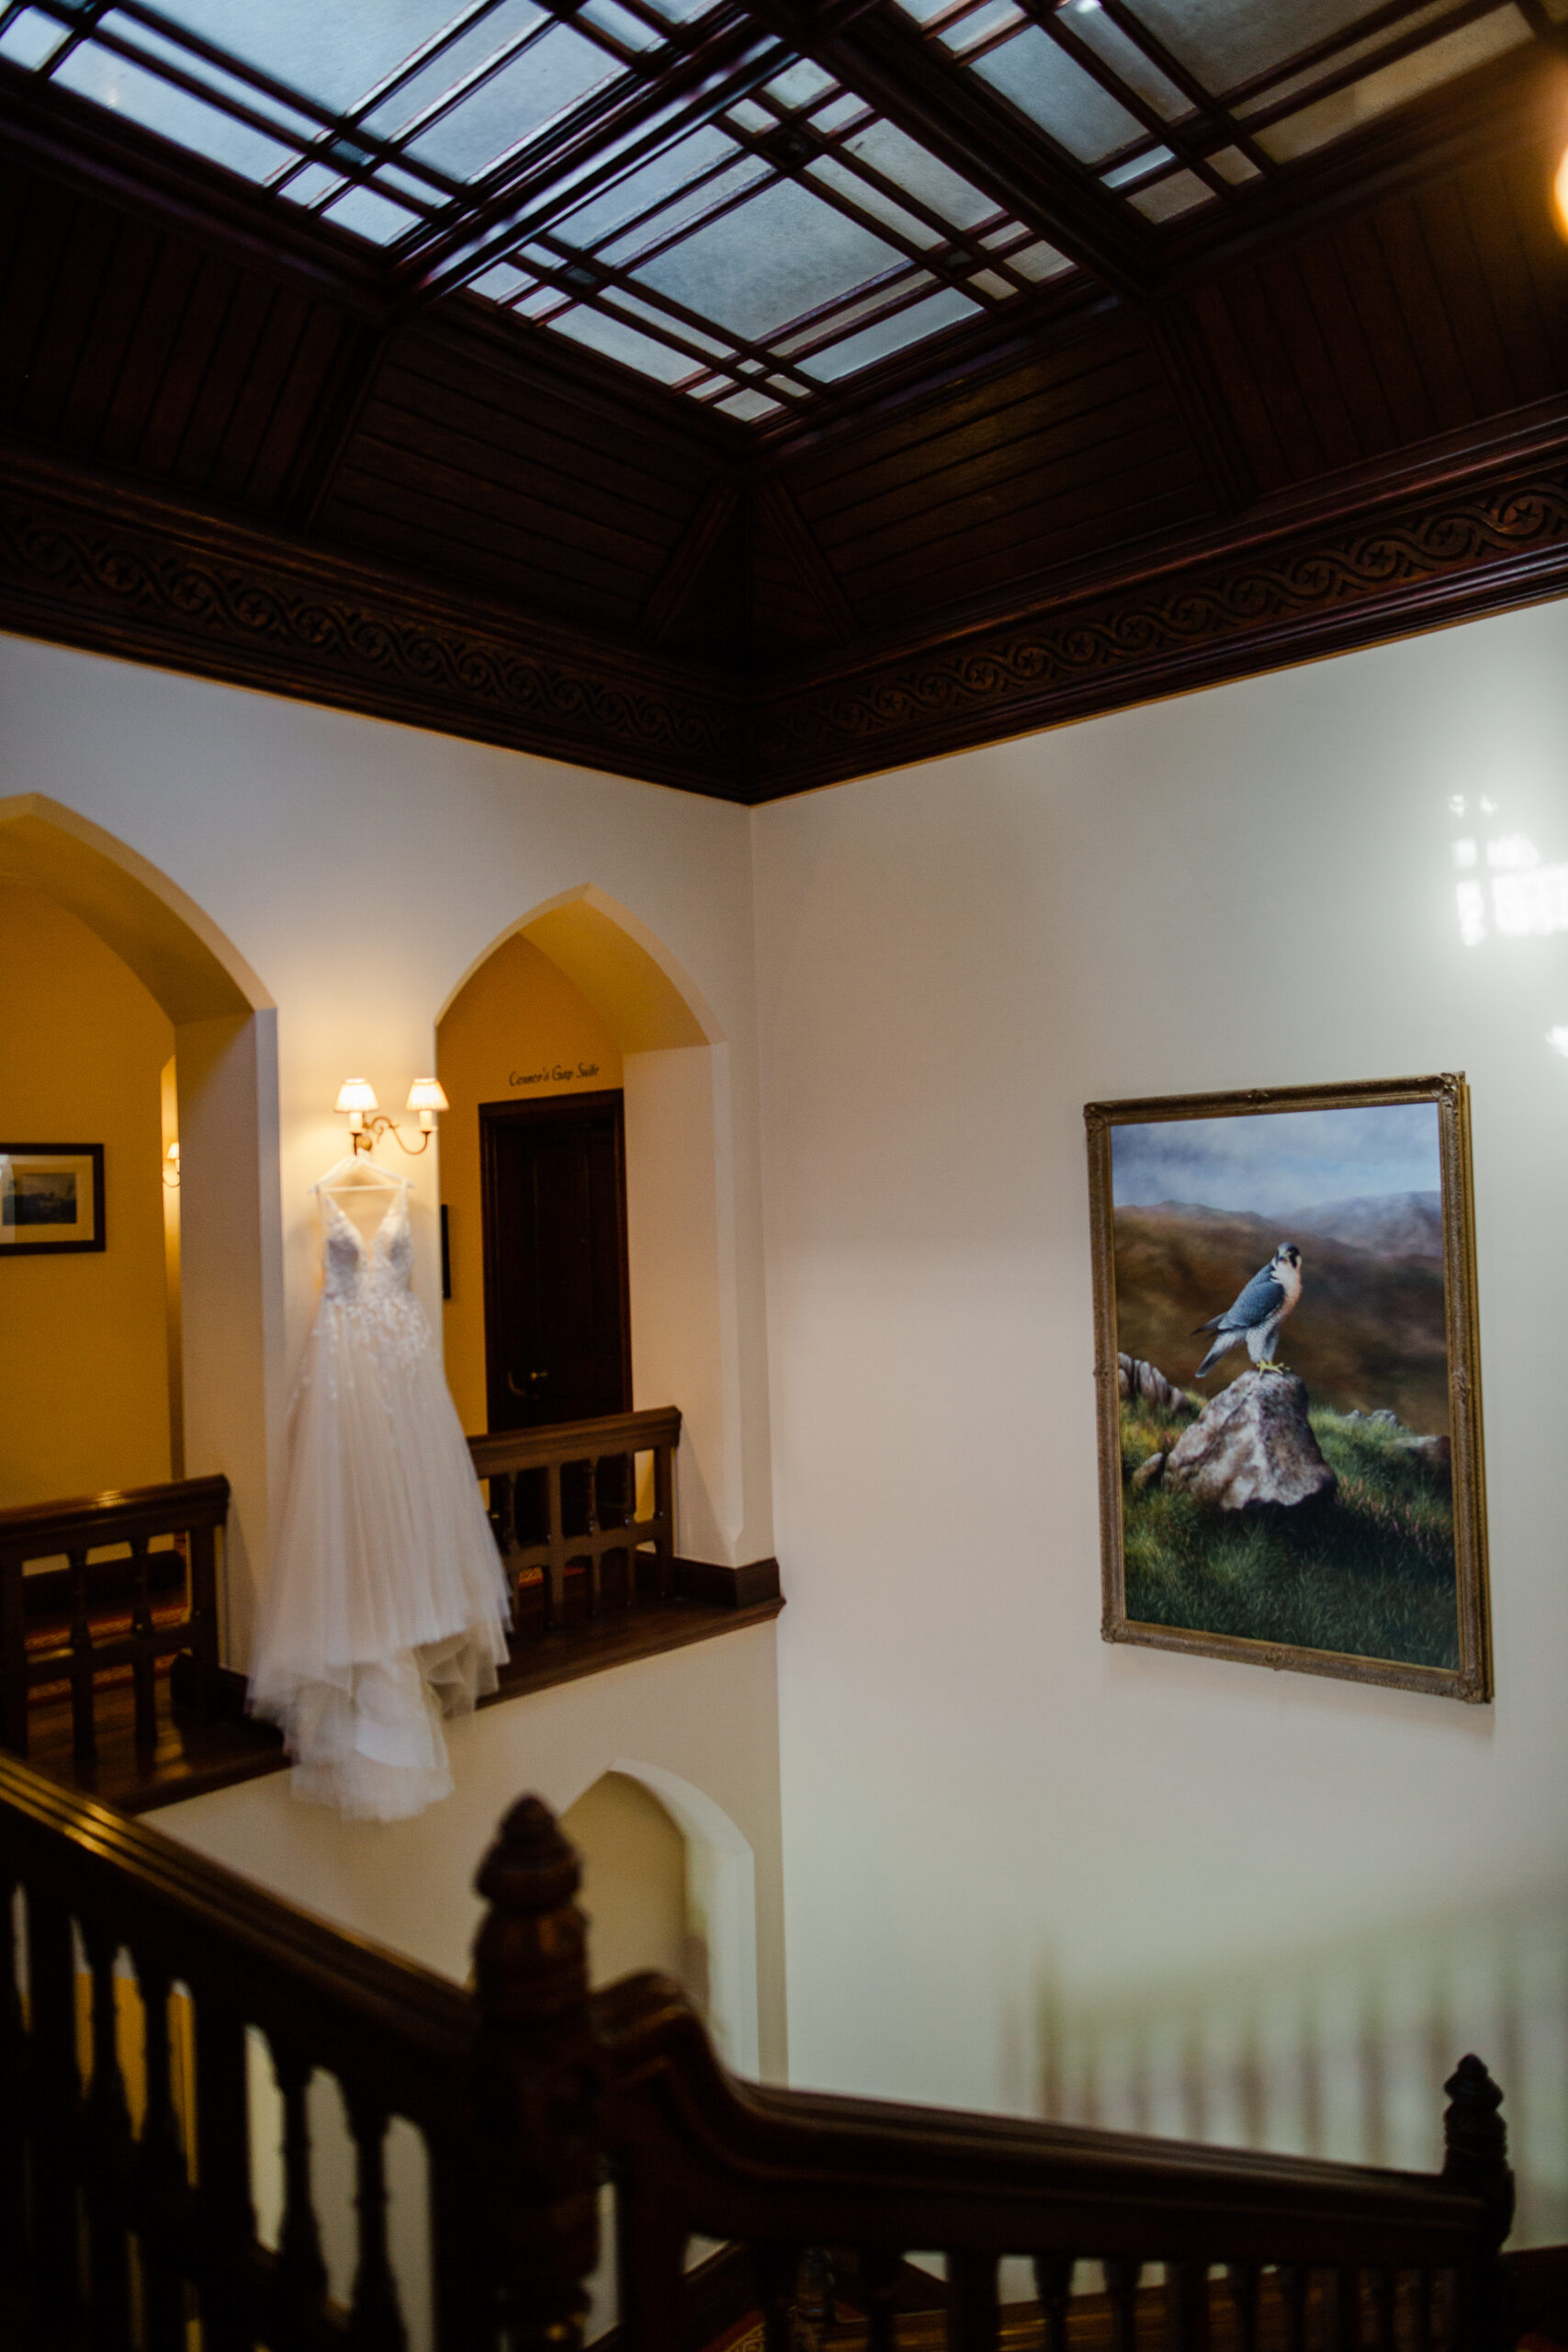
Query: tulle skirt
387,1606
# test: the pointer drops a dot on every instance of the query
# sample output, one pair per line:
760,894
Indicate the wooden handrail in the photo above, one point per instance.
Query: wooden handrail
529,2088
575,1440
189,1511
586,1472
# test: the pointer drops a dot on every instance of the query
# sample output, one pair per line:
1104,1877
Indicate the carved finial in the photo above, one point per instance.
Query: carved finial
1476,2139
537,2079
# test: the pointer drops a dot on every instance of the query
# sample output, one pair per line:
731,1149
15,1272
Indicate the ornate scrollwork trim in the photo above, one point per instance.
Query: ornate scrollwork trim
325,629
1492,546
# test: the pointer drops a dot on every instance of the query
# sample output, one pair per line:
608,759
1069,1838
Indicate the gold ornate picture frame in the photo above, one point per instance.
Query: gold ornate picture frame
1291,1456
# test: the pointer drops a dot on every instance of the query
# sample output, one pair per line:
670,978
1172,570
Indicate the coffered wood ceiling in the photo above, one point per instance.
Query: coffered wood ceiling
236,440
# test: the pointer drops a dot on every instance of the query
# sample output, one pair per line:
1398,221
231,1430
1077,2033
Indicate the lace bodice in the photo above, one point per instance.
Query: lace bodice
358,1272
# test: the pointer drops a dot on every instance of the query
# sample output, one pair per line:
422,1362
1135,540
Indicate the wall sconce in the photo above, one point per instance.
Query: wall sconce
357,1096
171,1168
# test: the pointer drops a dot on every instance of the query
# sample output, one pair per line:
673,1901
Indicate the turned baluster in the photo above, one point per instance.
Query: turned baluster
143,1668
973,2313
1243,2280
537,2090
1344,2285
664,1519
878,2293
595,1550
301,2273
223,2170
375,2322
1421,2292
555,1568
162,2167
13,2106
1121,2276
1054,2285
1295,2286
83,1734
54,2091
1476,2142
13,1658
1186,2306
1384,2284
108,2117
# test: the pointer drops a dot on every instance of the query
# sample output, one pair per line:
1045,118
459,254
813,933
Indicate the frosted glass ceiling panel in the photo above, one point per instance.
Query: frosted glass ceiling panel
146,98
336,50
775,255
1227,41
602,332
896,334
899,159
552,75
456,60
1054,91
647,187
1471,45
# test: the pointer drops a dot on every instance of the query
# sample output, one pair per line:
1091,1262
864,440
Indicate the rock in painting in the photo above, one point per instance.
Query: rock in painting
1139,1381
1252,1443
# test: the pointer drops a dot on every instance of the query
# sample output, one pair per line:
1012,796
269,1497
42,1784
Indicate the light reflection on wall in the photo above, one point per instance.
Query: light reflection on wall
1503,886
1342,2052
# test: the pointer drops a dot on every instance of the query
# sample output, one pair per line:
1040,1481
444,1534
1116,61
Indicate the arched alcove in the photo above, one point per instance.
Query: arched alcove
226,1082
719,1892
673,1075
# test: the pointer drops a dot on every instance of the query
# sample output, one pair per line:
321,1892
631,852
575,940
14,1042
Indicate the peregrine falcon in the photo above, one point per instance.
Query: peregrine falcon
1258,1313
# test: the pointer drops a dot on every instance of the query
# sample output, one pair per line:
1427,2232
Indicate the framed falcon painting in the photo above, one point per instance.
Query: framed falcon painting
1289,1404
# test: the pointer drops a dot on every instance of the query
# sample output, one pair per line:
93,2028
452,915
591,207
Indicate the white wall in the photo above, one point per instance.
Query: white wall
695,1724
1008,1843
361,869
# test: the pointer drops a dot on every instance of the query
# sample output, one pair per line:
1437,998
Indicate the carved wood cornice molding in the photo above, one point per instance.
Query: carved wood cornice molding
88,562
1458,556
109,570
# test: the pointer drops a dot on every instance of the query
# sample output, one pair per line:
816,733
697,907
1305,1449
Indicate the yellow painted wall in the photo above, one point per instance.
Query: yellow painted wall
83,1345
518,1030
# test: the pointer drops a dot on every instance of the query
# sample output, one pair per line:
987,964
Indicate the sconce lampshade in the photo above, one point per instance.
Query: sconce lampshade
357,1095
427,1094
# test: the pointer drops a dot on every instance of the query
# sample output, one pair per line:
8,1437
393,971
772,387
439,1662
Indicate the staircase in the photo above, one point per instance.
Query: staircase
129,2179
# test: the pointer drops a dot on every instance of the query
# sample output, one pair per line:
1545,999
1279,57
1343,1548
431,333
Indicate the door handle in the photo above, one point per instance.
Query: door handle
530,1382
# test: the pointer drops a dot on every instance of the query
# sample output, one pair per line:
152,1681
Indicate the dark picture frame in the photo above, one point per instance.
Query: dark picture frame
1323,1524
51,1199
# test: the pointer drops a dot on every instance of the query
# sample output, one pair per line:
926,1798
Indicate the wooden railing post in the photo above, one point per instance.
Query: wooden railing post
1475,2158
537,2084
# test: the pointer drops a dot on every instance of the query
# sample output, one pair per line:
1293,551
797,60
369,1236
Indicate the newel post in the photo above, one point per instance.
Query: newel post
1475,2158
537,2084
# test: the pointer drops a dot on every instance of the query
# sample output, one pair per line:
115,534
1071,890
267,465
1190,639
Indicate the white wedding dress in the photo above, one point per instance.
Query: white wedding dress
387,1606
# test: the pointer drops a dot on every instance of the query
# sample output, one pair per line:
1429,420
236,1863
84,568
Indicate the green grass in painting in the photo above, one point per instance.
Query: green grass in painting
1369,1573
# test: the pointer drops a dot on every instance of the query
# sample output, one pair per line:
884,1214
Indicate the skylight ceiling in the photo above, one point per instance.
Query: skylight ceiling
671,184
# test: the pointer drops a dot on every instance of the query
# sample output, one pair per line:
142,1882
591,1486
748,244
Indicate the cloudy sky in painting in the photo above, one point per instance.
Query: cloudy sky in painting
1274,1160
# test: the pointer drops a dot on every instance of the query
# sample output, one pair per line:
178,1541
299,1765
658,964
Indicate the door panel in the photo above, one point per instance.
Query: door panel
557,1344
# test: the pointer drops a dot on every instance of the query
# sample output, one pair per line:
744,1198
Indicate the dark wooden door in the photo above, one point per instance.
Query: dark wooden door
557,1333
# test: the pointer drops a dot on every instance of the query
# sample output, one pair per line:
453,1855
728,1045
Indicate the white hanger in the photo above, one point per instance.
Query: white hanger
372,1179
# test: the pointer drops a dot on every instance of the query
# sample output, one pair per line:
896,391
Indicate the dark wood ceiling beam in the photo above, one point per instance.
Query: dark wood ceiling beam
891,66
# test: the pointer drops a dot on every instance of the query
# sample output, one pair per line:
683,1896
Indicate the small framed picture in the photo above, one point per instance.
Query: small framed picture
1290,1399
51,1198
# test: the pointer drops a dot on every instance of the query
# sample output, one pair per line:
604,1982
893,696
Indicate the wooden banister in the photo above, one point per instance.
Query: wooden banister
189,1513
563,1502
529,2091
